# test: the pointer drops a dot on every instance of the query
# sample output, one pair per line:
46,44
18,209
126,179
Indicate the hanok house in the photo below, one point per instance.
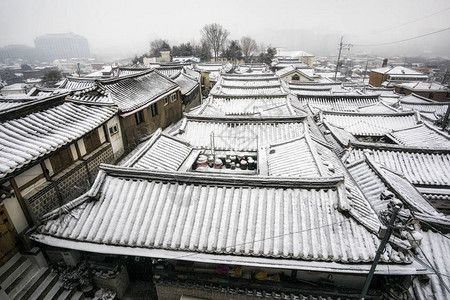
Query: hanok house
146,101
388,76
293,224
50,150
431,90
189,83
296,74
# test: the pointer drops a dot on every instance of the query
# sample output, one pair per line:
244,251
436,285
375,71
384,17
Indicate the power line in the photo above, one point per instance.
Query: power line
408,39
410,22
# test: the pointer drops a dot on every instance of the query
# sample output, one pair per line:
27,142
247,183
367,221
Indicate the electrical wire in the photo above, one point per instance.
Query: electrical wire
408,39
281,235
407,23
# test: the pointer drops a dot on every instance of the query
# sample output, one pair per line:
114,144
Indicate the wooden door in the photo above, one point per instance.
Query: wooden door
8,236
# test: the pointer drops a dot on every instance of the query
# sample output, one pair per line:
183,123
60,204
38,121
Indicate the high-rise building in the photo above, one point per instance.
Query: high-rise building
65,45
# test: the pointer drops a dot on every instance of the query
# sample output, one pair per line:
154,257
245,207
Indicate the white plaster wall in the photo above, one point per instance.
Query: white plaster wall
15,212
81,147
116,139
101,134
28,175
74,152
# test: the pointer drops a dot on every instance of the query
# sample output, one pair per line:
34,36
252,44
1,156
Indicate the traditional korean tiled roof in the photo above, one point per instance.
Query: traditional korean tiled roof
93,94
420,86
423,136
251,106
160,152
126,71
195,213
433,249
374,179
136,91
170,71
25,139
250,76
247,90
186,83
239,133
377,108
424,168
363,124
261,82
7,103
414,102
77,83
338,102
399,70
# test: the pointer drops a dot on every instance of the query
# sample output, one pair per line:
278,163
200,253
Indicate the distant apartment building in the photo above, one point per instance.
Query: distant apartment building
66,45
388,76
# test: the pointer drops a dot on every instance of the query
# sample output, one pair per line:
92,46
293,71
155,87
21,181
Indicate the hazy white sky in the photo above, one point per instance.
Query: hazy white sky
126,27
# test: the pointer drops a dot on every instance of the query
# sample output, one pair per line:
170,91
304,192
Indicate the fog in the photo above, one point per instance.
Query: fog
124,28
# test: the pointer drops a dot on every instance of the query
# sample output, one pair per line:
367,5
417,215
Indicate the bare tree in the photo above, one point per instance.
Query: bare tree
216,36
248,46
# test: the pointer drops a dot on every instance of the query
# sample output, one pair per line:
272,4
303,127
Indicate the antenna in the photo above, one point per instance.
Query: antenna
341,45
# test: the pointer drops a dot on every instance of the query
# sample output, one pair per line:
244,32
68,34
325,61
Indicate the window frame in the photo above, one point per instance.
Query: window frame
139,117
154,109
92,141
64,164
166,101
173,97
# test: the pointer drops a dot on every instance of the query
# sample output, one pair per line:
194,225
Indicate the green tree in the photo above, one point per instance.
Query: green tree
233,52
158,45
215,35
267,56
203,51
51,78
184,49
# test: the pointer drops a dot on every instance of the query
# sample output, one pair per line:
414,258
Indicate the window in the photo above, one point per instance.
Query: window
295,77
173,98
154,109
61,160
92,141
113,129
166,101
139,117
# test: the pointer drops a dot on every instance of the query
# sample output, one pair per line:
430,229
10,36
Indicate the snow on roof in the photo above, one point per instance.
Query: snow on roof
434,246
292,54
418,104
363,124
239,133
254,106
422,167
37,134
225,81
374,179
138,90
423,136
153,155
421,86
196,213
290,69
247,91
186,83
338,102
377,108
399,70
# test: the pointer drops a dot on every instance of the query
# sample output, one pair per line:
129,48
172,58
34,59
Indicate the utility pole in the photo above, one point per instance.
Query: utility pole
364,76
387,235
346,46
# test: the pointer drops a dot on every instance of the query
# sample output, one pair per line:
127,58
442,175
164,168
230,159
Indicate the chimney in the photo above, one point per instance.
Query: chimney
384,63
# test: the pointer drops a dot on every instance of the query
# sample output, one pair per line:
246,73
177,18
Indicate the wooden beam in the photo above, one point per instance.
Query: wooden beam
22,203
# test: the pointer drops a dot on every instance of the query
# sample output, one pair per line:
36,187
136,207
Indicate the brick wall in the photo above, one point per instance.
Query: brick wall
376,79
44,201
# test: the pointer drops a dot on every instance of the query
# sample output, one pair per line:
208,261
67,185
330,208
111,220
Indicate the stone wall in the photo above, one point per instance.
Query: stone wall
71,183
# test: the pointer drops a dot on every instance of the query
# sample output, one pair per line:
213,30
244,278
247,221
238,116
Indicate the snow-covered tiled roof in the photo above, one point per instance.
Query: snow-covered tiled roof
251,106
433,249
160,152
186,83
338,102
364,124
196,213
399,70
377,108
240,133
423,136
134,91
25,139
413,102
374,179
422,167
248,91
77,83
420,86
250,83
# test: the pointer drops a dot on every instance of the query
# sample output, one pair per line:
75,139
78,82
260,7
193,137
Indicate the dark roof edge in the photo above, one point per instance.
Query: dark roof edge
387,147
